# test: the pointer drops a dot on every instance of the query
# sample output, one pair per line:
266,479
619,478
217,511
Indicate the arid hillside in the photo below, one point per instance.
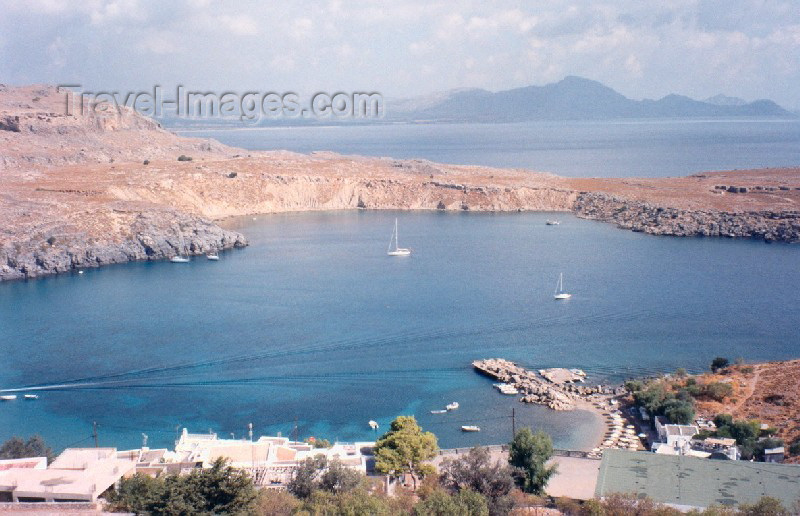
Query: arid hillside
86,190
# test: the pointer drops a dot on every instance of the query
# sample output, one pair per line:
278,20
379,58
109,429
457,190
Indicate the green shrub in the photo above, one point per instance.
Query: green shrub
718,391
184,157
719,363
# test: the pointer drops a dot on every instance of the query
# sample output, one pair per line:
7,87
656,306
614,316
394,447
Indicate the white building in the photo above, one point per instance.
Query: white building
77,475
269,460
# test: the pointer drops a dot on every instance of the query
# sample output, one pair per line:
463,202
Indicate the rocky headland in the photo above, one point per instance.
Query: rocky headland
88,190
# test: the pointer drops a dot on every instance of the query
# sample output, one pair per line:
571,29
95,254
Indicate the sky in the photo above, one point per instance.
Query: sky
404,48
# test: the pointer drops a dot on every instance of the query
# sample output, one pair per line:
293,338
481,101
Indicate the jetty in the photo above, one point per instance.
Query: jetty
534,388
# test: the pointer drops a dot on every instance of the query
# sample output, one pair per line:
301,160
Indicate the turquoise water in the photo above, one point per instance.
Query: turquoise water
624,148
314,323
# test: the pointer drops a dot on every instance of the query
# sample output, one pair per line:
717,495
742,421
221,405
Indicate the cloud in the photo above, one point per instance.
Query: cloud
407,47
240,25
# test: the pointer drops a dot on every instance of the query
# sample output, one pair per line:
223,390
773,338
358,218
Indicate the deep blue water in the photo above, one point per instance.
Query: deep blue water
625,148
314,322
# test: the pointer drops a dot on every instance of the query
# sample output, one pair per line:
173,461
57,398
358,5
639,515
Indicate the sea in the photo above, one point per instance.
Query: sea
313,330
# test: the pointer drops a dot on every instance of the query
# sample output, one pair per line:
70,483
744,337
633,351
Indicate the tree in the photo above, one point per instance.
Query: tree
718,391
338,478
220,489
276,502
719,363
765,506
304,477
476,471
137,494
678,411
318,443
16,448
441,503
529,453
404,449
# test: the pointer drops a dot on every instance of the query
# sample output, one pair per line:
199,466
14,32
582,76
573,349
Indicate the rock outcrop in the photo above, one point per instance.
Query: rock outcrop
150,235
771,226
533,388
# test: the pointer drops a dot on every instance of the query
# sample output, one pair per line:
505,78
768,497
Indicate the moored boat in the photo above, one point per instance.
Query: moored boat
439,411
452,406
31,396
212,256
560,294
8,397
470,428
506,388
397,250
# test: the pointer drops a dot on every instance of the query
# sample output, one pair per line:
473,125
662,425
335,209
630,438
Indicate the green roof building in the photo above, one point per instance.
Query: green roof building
688,482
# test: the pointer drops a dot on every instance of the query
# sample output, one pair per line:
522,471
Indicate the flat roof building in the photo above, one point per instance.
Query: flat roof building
689,482
77,475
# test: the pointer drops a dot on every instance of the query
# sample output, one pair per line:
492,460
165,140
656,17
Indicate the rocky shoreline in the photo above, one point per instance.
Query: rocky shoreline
770,226
86,191
150,236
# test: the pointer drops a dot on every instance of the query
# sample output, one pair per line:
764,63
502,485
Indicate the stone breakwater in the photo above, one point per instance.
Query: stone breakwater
534,389
148,236
770,226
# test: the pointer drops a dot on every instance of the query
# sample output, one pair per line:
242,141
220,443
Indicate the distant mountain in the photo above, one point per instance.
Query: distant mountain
573,98
724,100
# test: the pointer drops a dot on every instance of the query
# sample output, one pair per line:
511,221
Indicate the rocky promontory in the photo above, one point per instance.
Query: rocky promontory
768,225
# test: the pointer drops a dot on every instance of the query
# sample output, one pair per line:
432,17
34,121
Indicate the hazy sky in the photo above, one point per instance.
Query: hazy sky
746,48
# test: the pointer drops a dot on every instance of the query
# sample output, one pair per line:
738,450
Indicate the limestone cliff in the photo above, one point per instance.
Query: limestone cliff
83,191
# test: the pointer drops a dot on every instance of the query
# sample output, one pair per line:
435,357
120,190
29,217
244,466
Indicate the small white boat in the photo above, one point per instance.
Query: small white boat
560,294
470,428
31,396
181,258
397,250
212,256
80,272
373,424
8,397
452,406
439,411
506,388
552,222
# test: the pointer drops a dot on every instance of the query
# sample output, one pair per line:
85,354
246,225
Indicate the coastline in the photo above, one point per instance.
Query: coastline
84,192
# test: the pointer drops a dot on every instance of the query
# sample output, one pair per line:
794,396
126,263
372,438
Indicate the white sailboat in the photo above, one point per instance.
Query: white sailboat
213,256
560,294
397,250
181,258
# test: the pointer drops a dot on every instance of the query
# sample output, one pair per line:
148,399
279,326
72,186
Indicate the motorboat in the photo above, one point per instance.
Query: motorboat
439,411
506,388
470,428
8,397
31,396
452,406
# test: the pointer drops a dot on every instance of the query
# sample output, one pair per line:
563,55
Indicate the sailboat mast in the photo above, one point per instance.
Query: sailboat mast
396,235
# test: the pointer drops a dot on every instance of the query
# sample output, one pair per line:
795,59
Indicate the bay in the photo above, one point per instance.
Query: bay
314,325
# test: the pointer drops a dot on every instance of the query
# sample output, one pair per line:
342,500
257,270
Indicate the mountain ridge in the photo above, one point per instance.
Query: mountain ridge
573,98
